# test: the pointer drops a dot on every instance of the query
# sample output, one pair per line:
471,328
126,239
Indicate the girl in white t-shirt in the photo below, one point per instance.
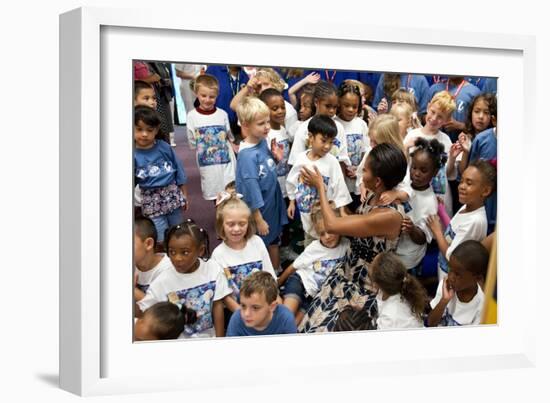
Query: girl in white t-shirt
197,283
401,299
470,222
242,252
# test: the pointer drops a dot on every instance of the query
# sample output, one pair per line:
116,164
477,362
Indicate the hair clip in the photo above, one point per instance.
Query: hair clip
224,195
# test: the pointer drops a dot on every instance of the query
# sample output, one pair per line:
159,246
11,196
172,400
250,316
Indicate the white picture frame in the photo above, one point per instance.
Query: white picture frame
97,355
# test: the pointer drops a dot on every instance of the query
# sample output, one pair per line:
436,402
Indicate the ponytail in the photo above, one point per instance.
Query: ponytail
413,292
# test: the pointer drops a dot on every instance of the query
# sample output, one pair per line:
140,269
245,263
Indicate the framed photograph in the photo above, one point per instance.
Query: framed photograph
97,355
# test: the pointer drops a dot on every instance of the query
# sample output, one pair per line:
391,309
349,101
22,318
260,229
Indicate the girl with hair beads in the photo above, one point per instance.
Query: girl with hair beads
401,299
242,252
163,321
426,159
158,172
470,222
197,283
356,131
325,103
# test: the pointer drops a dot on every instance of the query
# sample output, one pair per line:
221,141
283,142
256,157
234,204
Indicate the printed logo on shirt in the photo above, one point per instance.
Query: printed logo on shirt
441,259
439,181
236,275
282,166
355,145
200,299
322,268
336,144
212,145
307,195
154,169
460,106
448,320
407,207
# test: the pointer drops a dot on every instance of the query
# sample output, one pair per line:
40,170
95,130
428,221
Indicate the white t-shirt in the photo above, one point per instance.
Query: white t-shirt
316,262
463,227
357,140
440,183
282,139
339,148
215,158
459,313
395,313
421,204
292,129
197,291
239,264
306,196
291,116
145,278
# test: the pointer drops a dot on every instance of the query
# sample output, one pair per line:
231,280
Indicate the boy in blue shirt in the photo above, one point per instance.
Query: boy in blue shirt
260,314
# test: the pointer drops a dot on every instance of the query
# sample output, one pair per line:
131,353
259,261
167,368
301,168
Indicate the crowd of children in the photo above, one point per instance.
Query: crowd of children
256,139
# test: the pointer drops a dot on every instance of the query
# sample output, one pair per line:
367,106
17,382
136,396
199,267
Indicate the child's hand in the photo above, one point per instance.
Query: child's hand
383,106
464,141
183,189
277,150
434,223
291,209
350,171
416,123
454,125
312,78
406,225
455,150
388,197
253,85
447,292
263,227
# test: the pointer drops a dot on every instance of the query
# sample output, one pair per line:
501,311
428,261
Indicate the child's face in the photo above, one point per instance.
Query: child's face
327,106
141,249
277,111
472,189
481,116
143,328
259,128
184,253
436,118
404,123
306,107
327,239
207,97
264,83
349,105
144,135
422,170
235,224
320,145
256,312
147,97
460,279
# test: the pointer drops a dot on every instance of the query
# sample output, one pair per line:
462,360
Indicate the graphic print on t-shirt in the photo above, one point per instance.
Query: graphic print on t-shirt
439,181
154,169
336,144
441,260
212,145
307,195
448,320
236,275
200,299
355,145
322,268
282,165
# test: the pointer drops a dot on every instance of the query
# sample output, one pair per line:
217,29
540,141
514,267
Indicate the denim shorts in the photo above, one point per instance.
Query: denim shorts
294,288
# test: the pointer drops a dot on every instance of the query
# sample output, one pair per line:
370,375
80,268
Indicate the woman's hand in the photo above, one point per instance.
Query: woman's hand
312,178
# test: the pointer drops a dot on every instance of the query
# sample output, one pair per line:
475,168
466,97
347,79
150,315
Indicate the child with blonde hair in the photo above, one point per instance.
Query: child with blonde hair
404,114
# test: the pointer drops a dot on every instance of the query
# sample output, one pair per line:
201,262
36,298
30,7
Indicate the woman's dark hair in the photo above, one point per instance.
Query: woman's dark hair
269,93
151,118
388,163
392,82
322,90
390,274
188,227
324,125
170,320
348,88
434,149
491,100
351,318
488,172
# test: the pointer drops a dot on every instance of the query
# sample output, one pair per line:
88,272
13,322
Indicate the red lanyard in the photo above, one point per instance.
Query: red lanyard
331,79
458,89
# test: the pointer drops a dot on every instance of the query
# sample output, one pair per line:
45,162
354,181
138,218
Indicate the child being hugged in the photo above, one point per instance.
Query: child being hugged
305,108
355,129
438,114
470,222
427,158
158,172
209,132
321,131
303,279
163,321
401,299
242,252
257,175
149,265
459,298
198,284
259,312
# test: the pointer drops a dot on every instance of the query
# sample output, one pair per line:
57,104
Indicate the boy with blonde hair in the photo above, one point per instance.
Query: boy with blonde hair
256,176
209,132
259,313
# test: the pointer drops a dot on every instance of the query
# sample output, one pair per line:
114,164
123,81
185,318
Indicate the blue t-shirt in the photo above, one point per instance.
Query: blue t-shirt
228,88
369,78
158,166
256,180
416,84
337,76
490,86
281,323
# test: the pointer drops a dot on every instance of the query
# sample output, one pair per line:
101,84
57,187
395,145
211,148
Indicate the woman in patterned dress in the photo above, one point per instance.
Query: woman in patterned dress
374,229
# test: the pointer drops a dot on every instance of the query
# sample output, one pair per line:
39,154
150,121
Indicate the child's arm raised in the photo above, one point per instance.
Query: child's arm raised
311,78
447,293
251,88
217,315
